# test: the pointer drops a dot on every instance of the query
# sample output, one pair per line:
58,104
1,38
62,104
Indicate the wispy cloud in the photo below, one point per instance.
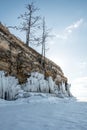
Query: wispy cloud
68,30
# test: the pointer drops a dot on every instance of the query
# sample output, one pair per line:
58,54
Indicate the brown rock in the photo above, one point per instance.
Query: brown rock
19,60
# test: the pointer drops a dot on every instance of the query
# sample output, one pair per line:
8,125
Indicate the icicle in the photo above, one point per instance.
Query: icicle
51,84
8,87
68,90
63,87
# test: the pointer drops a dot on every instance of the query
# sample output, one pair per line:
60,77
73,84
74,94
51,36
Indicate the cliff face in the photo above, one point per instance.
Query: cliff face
19,60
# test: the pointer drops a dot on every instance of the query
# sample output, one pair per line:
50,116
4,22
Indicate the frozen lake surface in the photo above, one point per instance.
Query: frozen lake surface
42,112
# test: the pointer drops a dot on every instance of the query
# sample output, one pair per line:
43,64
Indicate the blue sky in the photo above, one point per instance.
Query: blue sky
68,20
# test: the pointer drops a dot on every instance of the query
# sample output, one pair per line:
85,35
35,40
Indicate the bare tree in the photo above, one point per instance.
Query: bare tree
45,35
29,24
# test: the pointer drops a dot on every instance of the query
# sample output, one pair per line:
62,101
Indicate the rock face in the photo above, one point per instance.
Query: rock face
19,60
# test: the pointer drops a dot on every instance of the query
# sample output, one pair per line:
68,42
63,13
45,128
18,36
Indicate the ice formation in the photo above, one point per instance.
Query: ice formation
9,88
37,83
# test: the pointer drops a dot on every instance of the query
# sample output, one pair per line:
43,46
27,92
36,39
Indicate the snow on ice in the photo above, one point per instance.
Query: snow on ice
36,108
43,112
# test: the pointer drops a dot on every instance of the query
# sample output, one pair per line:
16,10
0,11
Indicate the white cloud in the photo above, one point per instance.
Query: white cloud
81,81
79,88
68,30
83,65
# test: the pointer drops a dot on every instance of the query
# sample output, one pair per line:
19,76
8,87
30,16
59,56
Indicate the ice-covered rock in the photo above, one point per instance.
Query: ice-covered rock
37,83
68,90
51,84
44,86
8,86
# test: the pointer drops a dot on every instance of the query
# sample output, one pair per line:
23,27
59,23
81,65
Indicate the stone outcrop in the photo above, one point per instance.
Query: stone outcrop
19,60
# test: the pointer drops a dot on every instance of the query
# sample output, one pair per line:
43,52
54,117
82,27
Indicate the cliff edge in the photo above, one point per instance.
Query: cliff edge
20,60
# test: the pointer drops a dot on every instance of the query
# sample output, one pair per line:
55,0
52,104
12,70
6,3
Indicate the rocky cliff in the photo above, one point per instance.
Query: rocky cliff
19,60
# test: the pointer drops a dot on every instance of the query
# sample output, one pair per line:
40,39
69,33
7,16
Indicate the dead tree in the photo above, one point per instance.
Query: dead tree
10,66
45,35
29,22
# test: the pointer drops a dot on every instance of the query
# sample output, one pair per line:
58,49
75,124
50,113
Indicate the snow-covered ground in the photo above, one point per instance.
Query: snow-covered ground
37,105
43,112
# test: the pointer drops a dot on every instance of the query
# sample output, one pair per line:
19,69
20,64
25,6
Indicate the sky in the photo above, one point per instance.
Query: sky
68,44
